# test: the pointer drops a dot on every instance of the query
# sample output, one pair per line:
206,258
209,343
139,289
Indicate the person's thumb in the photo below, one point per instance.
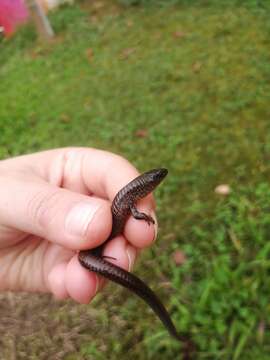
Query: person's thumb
70,219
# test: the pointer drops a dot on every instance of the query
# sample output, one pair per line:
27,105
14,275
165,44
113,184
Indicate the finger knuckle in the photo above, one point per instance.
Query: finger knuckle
42,207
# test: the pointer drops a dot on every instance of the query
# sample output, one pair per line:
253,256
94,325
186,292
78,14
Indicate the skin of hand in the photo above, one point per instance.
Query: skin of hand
57,202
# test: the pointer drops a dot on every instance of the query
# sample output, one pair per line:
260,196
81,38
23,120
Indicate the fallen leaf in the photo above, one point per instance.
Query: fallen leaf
129,23
34,54
90,54
179,257
261,331
98,5
94,19
165,284
169,237
65,118
127,52
236,242
141,133
179,34
196,67
223,189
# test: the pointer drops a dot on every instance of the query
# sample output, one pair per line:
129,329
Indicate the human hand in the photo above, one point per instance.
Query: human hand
57,202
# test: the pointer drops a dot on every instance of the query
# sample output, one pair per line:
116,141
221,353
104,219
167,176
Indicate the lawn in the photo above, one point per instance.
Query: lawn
185,87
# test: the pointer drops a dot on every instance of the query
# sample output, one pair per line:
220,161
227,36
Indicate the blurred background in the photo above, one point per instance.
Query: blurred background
182,84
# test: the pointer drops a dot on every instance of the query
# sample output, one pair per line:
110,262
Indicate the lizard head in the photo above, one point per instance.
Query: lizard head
155,176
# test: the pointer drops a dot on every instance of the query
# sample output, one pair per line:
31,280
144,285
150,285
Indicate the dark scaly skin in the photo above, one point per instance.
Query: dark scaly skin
122,206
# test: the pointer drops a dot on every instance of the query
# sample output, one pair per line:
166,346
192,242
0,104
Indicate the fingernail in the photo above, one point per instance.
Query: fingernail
79,218
131,254
152,213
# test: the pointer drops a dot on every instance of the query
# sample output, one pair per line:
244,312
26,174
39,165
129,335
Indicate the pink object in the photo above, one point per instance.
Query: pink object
12,13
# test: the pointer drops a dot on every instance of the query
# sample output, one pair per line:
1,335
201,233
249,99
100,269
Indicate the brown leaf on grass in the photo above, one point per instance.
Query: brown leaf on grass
65,118
170,236
236,242
90,54
94,19
179,257
179,34
33,54
98,5
141,133
126,53
261,331
196,67
166,284
129,23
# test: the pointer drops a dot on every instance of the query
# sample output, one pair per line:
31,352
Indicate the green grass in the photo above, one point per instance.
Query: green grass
203,100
